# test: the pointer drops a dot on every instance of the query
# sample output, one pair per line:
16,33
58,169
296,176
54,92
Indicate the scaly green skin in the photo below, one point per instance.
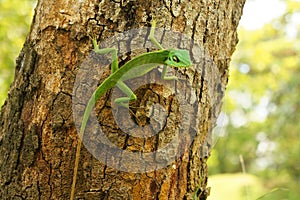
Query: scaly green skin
136,67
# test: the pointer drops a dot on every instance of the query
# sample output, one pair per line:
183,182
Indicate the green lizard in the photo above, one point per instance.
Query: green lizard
136,67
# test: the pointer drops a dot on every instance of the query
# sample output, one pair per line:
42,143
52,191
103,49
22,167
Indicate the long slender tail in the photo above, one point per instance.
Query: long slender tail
75,169
86,115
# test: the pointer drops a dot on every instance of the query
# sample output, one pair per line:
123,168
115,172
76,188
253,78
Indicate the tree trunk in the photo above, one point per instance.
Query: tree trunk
38,134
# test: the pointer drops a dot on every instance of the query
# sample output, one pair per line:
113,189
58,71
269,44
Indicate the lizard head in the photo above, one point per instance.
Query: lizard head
178,58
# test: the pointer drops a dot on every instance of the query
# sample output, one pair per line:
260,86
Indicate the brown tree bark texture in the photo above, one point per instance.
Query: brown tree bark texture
38,137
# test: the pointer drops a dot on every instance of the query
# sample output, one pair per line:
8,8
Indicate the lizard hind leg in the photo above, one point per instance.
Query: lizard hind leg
124,101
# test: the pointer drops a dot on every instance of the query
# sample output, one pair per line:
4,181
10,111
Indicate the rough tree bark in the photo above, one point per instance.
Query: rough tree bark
38,137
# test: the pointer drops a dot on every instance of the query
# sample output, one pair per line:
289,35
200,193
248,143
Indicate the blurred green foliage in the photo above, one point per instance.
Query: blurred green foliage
15,19
235,186
261,116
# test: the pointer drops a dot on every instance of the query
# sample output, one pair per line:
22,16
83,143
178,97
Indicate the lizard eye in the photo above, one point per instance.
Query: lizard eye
175,59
